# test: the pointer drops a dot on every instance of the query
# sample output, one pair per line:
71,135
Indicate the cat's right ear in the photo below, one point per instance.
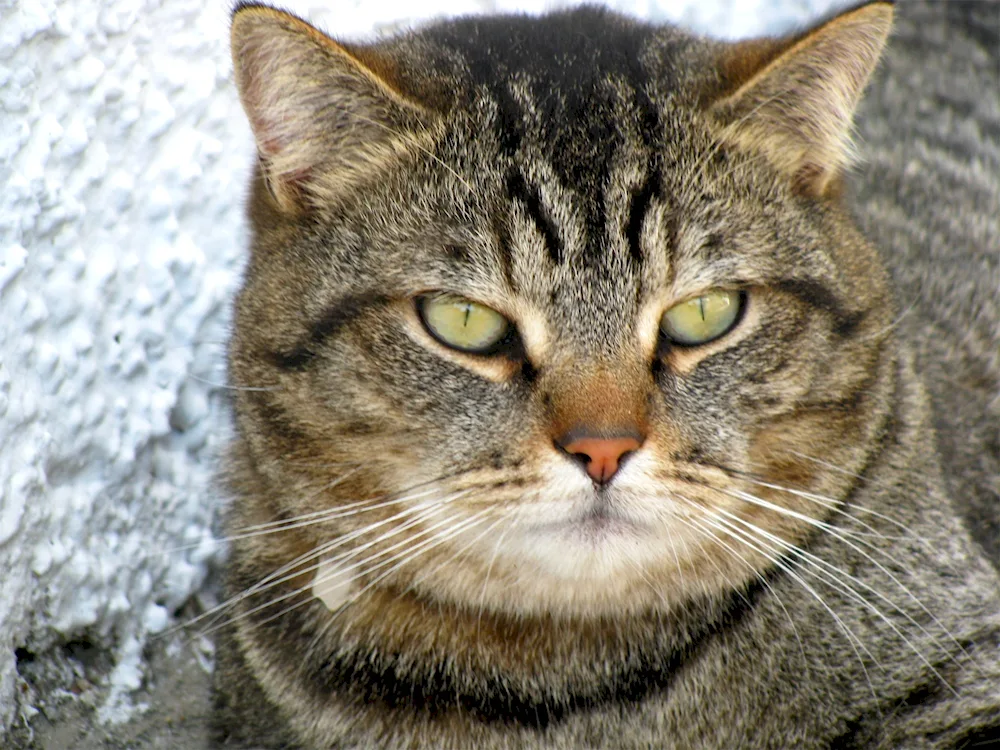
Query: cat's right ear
324,115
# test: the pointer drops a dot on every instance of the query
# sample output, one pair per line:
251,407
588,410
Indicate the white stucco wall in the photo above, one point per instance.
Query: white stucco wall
123,159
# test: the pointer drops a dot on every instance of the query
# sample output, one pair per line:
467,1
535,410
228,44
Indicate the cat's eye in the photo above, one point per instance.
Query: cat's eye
461,323
702,319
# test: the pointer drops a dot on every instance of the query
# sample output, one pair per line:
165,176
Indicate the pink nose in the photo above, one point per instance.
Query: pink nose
601,456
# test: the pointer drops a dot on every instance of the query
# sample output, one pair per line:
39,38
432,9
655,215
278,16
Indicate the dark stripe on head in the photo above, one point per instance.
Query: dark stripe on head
511,124
813,293
637,213
505,251
338,314
649,116
531,199
458,253
294,359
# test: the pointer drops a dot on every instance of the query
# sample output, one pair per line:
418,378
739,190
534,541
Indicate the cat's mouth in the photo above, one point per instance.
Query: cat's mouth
599,521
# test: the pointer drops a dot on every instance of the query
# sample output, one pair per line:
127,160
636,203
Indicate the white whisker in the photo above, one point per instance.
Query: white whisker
489,570
838,578
838,506
295,569
776,559
844,537
413,553
458,553
695,524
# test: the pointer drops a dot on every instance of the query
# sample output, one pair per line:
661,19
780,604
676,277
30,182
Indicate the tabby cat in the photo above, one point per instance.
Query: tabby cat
575,410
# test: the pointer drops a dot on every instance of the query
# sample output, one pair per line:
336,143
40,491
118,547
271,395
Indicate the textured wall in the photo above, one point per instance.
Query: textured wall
123,157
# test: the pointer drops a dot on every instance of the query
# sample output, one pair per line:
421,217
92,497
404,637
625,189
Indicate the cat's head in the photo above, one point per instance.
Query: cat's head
558,314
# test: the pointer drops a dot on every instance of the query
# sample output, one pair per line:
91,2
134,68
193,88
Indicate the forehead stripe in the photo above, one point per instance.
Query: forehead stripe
641,201
530,197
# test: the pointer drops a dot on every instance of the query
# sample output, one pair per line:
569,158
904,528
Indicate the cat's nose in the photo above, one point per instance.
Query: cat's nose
601,456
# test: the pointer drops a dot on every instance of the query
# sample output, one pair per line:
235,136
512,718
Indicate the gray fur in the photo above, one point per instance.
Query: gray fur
570,171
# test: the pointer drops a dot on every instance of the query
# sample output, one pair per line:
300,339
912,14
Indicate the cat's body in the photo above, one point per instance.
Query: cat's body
928,195
774,551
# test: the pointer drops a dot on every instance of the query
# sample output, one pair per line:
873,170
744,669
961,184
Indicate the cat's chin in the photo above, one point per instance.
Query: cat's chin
591,563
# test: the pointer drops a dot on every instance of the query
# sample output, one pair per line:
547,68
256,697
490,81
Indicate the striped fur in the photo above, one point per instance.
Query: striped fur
786,561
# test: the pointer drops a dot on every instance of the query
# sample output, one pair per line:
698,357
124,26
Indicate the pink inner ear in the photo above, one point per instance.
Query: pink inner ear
319,116
269,121
259,59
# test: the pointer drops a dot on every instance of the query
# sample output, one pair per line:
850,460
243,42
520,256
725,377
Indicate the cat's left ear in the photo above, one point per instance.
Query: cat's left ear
794,99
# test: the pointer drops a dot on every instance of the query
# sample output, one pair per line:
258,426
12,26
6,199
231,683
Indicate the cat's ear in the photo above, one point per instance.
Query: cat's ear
324,115
794,99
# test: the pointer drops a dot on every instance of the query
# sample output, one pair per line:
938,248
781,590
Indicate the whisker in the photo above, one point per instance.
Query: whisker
322,579
249,532
289,571
257,588
459,553
838,506
285,572
755,544
832,504
649,582
845,538
343,511
435,540
822,525
677,560
322,516
228,387
756,573
836,577
894,324
692,523
293,569
430,512
486,580
398,561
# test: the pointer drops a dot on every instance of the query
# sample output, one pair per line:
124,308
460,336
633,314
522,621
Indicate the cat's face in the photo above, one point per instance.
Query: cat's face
567,345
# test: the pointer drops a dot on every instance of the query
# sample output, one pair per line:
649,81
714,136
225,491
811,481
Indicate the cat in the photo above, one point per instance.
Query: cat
574,409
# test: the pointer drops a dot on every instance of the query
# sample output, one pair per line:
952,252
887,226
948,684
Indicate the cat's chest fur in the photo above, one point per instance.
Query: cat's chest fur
574,410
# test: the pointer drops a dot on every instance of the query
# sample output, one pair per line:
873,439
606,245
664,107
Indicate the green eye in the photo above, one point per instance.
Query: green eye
461,323
702,319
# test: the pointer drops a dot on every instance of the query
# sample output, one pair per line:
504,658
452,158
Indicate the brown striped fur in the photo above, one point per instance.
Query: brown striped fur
802,553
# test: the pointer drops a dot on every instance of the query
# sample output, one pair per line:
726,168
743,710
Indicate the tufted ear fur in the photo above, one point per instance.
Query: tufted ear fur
324,115
794,99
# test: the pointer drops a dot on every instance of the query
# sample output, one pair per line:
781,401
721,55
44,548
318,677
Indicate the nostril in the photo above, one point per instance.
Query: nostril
600,457
576,456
